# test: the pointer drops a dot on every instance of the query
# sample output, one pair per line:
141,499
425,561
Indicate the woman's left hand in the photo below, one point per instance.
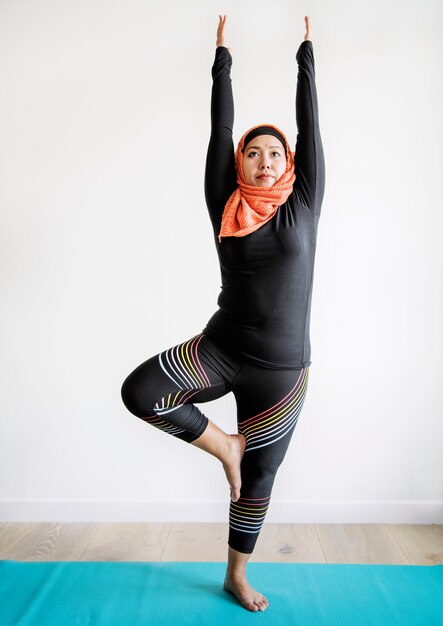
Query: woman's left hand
308,36
220,32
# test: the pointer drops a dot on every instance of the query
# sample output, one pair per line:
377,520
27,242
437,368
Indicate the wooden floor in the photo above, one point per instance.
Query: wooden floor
401,544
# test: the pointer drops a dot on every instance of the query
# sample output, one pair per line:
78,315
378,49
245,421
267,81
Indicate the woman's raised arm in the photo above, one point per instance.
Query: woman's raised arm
220,172
309,158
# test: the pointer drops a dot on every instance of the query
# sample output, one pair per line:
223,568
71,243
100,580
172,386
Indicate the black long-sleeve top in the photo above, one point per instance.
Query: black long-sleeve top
267,275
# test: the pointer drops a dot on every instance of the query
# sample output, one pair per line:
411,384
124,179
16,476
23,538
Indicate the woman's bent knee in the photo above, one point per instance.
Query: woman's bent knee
131,396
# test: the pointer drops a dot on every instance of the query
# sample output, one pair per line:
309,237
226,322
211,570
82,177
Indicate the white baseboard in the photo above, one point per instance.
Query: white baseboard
299,512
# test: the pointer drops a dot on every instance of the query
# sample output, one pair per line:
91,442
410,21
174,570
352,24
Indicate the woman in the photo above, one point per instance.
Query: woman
264,206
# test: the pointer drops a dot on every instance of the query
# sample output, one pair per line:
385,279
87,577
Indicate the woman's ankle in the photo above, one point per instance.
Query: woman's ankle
237,562
213,440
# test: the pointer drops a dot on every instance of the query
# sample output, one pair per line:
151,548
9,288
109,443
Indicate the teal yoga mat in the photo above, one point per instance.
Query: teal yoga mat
169,593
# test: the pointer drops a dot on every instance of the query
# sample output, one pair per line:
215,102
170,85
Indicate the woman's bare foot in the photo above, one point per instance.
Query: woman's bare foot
228,449
251,599
231,460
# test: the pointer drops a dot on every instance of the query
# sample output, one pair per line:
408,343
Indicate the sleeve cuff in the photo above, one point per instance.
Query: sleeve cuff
223,52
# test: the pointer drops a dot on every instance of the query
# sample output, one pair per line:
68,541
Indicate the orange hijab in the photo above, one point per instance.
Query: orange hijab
249,207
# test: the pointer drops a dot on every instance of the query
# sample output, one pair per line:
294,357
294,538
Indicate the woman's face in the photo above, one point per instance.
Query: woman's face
264,161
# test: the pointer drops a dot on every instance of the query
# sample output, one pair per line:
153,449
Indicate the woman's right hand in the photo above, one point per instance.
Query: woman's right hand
220,32
308,36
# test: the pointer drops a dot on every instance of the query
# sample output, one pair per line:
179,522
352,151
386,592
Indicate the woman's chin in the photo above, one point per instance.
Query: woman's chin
260,182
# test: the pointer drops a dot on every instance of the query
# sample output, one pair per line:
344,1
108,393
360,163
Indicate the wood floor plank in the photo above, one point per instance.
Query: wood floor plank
303,543
127,541
10,532
51,541
276,543
360,543
197,542
280,543
422,544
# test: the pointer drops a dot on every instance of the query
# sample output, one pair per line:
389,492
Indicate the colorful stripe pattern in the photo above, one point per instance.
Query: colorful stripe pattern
248,514
182,365
274,423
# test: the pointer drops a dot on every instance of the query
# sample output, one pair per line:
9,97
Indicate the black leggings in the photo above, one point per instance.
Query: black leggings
162,391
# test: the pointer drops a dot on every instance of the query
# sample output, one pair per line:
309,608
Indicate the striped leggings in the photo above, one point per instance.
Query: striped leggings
162,390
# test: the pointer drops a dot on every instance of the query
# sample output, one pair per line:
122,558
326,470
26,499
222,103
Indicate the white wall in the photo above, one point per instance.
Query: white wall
108,256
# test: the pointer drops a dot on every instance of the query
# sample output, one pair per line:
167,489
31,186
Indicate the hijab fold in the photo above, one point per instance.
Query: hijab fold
250,206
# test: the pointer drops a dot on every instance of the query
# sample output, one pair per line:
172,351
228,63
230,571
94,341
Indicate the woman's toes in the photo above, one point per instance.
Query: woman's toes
262,604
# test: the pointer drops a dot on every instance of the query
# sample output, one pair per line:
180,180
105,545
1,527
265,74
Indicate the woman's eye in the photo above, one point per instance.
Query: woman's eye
277,153
252,153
